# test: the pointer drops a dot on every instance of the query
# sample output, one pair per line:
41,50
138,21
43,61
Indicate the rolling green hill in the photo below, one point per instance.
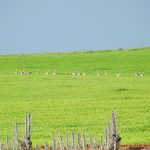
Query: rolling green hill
66,103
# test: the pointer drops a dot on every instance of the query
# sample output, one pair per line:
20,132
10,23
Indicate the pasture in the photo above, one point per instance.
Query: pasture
65,103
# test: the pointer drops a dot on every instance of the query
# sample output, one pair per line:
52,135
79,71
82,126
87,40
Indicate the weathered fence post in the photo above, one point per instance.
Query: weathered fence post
115,137
114,131
13,139
67,142
101,143
84,142
106,139
28,131
73,142
95,144
7,143
91,143
61,143
17,136
54,143
78,139
46,146
109,135
36,147
0,145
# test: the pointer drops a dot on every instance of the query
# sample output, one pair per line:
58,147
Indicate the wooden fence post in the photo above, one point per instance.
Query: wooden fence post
54,143
114,131
84,142
94,144
109,136
7,143
73,142
115,138
61,143
91,143
28,132
0,145
106,139
78,139
13,139
67,142
46,146
17,136
36,147
101,143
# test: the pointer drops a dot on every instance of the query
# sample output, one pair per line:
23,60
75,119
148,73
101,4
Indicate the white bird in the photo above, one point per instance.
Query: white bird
84,74
142,74
118,75
78,73
28,72
54,73
73,73
136,74
47,73
22,72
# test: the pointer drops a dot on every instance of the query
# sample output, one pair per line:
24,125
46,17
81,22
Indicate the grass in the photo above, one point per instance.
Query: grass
65,103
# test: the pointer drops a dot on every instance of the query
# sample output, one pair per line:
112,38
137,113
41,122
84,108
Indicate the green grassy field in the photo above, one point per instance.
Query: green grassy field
66,103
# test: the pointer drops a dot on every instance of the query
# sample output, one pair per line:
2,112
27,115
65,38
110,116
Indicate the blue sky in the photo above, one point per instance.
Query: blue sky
33,26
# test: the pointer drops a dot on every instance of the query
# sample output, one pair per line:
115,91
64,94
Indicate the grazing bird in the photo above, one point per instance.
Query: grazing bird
28,72
22,72
73,73
47,73
136,74
118,75
54,73
142,74
78,73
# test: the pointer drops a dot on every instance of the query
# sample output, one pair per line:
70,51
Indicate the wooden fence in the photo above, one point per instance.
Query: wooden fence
109,141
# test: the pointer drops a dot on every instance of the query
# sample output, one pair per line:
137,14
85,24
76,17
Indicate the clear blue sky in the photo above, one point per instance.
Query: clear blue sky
32,26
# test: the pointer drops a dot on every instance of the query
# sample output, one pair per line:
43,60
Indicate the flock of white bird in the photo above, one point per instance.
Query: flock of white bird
74,73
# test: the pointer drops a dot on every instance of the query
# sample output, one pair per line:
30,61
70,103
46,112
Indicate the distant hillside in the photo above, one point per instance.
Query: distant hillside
113,61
